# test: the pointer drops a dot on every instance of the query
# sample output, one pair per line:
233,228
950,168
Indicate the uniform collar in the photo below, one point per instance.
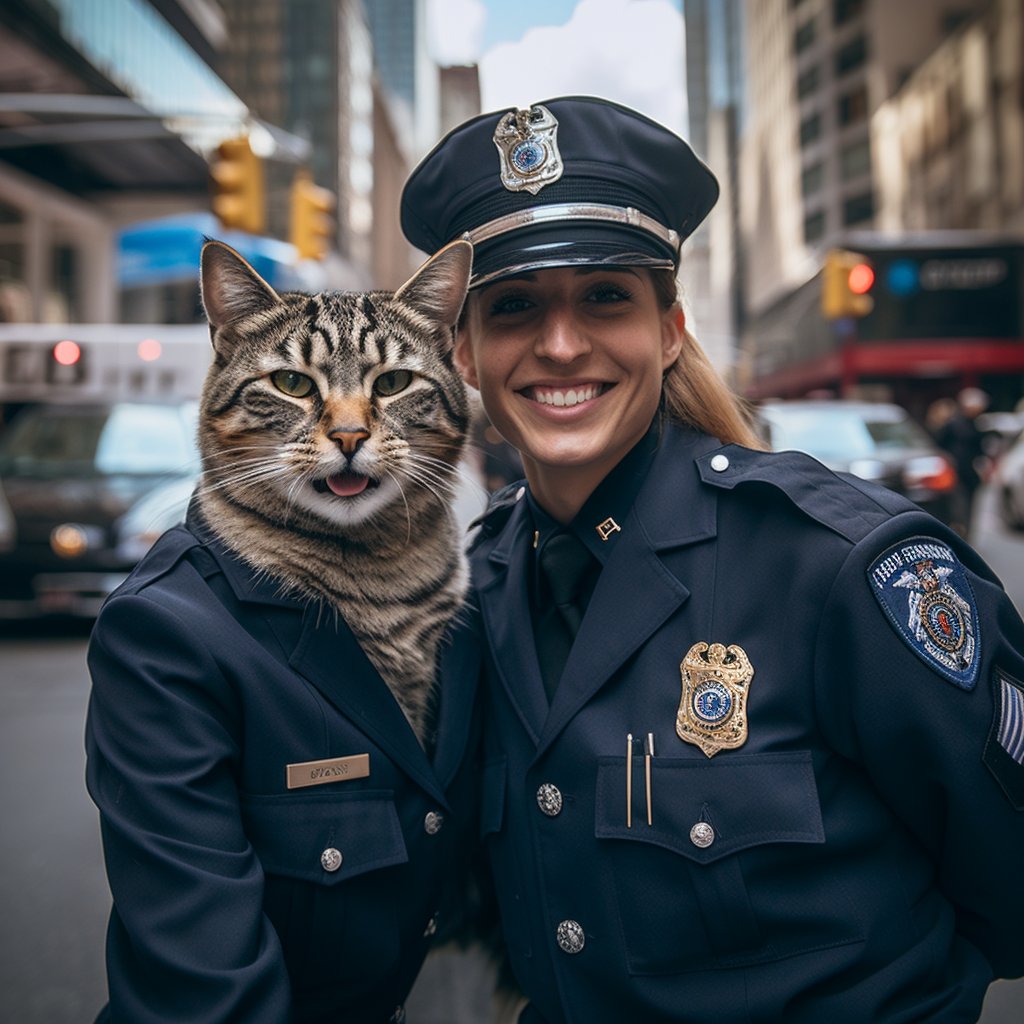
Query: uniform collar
601,520
247,582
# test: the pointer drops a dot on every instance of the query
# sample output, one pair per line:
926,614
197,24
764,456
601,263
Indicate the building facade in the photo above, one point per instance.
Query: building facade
949,145
817,72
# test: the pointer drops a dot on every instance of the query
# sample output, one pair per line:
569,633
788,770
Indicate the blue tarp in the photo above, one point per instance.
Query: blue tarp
167,250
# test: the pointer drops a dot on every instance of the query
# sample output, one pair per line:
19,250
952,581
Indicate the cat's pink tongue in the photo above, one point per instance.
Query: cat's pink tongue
346,485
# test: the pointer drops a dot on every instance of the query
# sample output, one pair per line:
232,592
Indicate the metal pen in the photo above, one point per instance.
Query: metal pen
629,780
648,754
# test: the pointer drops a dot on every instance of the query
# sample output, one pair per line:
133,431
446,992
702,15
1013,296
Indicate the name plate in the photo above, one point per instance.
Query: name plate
333,769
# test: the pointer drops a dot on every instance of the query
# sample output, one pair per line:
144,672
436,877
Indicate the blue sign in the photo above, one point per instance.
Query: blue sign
167,250
902,277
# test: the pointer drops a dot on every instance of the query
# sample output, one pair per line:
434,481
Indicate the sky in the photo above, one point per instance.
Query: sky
630,51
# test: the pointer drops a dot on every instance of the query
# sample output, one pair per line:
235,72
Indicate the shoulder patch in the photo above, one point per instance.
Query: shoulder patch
1004,751
926,595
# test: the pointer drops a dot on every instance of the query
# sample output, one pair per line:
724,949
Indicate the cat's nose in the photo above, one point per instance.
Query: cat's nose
349,439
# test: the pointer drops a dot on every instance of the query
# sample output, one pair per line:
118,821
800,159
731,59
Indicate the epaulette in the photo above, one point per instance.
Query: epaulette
499,508
843,503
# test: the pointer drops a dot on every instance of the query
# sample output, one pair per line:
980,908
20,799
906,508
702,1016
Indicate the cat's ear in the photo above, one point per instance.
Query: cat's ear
230,288
438,289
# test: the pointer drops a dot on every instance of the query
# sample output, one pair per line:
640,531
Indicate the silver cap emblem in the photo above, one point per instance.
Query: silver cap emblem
527,142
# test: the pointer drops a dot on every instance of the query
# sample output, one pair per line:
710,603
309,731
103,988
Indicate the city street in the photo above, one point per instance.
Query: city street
52,886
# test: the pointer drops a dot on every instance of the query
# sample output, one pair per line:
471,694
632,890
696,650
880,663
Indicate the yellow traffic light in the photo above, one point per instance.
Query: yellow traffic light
846,280
312,226
236,178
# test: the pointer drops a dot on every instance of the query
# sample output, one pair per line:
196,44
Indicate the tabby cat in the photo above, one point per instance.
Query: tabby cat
330,429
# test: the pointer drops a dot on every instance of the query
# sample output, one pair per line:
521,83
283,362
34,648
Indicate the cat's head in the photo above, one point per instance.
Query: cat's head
337,405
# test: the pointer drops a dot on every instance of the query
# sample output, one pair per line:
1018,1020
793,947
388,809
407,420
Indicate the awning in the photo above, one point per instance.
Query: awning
167,250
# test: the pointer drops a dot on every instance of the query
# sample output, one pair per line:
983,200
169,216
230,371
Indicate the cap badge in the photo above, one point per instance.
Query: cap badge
713,710
527,142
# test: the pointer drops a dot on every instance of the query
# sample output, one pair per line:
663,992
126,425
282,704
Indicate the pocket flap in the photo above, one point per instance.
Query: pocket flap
290,832
748,799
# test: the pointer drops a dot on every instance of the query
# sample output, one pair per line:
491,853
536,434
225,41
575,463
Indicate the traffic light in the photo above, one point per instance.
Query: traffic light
312,226
236,178
846,282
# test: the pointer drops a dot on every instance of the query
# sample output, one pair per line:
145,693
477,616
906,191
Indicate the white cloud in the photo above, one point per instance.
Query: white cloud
455,30
630,51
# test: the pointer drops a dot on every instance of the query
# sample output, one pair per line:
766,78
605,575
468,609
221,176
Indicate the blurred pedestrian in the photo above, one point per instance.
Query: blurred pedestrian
752,743
961,437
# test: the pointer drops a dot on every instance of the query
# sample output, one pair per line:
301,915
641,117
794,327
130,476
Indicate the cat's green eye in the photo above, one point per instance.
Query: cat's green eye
392,382
292,383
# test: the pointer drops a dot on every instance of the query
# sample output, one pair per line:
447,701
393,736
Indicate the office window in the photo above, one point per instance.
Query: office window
855,160
810,129
804,36
808,82
814,227
852,55
844,10
853,106
858,208
812,179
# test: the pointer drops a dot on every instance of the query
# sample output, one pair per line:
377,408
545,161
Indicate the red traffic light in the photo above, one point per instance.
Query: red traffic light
861,278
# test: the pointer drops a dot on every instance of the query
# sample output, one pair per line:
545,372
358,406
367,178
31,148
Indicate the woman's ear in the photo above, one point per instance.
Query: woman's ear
673,329
464,361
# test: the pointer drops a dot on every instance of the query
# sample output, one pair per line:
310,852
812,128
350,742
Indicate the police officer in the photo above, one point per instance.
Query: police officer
754,741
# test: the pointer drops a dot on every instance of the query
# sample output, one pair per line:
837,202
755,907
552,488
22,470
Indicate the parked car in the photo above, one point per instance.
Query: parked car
872,440
85,489
1008,484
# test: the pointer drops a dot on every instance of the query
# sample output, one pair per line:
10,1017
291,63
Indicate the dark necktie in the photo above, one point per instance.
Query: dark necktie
568,568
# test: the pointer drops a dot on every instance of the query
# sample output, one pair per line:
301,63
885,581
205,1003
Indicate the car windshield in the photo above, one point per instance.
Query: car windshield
841,433
123,439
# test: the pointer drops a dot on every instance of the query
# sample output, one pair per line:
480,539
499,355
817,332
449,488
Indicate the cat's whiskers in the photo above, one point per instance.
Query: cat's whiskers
245,476
405,502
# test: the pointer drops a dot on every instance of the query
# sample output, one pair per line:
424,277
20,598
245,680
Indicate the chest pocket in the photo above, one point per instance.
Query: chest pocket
340,923
727,862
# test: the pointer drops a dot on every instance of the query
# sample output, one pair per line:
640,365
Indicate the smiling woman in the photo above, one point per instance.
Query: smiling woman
745,717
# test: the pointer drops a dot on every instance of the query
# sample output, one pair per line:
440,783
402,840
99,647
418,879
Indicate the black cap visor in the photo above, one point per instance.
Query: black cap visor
540,247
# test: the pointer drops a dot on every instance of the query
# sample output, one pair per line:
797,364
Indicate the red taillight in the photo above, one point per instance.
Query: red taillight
67,353
931,472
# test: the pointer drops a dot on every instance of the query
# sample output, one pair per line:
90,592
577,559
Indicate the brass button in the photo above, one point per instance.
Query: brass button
330,859
432,823
549,799
702,835
570,936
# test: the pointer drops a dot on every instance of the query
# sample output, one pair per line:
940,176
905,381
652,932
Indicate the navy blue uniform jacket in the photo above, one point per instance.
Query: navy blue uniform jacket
206,684
858,859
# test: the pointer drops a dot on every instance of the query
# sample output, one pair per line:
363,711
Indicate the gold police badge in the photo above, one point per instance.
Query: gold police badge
713,709
527,142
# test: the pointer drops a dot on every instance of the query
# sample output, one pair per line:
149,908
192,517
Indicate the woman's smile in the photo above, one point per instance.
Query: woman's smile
565,396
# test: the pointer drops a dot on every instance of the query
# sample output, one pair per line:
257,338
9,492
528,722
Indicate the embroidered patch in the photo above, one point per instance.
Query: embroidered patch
927,597
1004,752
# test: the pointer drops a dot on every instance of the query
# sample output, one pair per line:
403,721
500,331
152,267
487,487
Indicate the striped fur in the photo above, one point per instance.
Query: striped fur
280,467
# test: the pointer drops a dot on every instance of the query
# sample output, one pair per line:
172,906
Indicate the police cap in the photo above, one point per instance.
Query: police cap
571,180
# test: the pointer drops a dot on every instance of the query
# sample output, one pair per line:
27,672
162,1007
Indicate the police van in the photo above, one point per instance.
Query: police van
103,362
97,455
